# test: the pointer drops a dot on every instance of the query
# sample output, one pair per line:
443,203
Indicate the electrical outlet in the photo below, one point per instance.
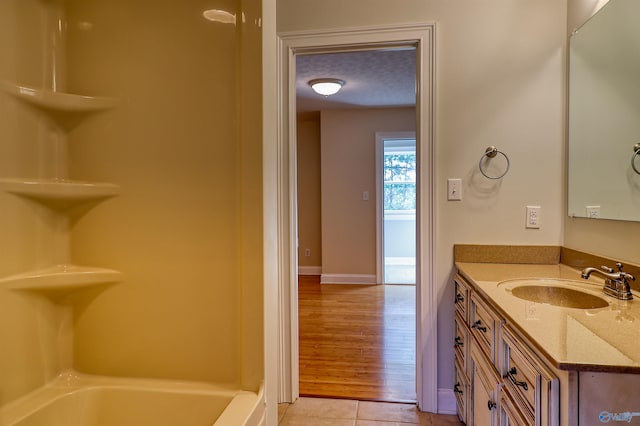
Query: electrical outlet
454,189
307,252
593,212
365,195
533,217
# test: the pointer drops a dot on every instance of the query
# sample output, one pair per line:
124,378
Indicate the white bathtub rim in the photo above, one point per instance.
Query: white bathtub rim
244,403
70,382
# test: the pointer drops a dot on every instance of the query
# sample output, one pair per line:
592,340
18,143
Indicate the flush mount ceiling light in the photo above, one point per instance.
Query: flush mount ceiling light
326,86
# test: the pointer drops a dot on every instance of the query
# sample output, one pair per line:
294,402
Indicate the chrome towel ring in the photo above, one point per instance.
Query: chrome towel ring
636,153
491,152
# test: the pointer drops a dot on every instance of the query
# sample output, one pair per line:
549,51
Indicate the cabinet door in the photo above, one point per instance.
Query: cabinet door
484,390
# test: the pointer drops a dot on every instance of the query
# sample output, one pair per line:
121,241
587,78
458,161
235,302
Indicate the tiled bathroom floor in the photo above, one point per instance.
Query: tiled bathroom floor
344,412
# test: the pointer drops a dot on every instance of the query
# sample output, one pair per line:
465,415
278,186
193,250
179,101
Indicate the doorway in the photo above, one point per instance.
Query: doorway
396,176
421,38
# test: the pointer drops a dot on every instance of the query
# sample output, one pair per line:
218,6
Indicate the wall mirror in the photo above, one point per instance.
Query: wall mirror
604,114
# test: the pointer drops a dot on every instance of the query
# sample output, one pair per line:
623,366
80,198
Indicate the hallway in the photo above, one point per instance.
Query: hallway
357,341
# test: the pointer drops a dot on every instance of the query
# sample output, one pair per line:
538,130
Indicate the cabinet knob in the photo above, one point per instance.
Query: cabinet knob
456,388
478,325
491,405
459,298
459,341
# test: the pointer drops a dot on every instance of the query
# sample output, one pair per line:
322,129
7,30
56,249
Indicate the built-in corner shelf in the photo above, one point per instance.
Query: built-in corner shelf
60,191
58,101
64,277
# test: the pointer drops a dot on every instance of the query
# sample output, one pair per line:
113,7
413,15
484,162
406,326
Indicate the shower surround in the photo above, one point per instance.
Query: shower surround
130,177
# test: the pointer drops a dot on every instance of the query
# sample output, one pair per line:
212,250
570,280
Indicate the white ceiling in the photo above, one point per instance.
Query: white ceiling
374,78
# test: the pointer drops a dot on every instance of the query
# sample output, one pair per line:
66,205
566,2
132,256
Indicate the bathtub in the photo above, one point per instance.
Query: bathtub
73,399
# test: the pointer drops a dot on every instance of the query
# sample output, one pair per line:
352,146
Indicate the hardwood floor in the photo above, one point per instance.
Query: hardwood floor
357,341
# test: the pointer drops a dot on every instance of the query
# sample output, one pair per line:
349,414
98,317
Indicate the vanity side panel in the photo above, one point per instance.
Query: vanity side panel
609,398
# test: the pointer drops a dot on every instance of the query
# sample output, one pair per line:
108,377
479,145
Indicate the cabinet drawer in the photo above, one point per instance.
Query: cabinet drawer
461,298
461,391
520,375
484,323
533,387
461,343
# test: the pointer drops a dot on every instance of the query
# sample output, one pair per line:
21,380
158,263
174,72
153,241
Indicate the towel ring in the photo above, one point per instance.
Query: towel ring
491,152
636,153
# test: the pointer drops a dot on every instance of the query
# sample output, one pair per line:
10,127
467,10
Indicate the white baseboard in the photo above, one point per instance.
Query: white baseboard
347,279
447,402
309,270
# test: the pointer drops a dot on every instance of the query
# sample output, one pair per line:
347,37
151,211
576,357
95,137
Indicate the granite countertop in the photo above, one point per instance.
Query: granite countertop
601,339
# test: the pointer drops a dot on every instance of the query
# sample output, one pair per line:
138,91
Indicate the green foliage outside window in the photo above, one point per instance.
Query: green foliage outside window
400,181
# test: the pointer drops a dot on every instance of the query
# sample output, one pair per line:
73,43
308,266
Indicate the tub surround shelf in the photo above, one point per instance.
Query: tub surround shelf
69,191
61,277
58,101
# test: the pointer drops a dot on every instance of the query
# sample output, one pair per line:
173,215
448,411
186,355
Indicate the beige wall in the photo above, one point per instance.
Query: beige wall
309,217
608,238
186,231
348,169
500,81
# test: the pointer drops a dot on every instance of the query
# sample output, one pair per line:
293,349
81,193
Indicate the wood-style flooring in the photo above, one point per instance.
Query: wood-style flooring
357,341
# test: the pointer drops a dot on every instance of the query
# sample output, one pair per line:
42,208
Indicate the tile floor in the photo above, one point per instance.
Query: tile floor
344,412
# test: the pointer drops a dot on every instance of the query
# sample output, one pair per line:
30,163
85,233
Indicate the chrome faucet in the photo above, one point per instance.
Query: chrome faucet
616,283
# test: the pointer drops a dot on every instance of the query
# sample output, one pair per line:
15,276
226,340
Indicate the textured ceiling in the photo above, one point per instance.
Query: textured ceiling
375,78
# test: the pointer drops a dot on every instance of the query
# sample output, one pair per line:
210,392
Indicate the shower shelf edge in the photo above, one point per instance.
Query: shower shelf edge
61,277
56,190
58,101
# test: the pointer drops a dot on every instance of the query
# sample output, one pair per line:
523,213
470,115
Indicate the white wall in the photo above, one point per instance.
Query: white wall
500,81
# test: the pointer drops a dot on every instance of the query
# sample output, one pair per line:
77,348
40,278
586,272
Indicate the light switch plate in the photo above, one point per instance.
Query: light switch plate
454,189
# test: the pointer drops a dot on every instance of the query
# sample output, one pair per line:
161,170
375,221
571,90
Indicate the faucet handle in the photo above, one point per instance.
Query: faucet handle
610,270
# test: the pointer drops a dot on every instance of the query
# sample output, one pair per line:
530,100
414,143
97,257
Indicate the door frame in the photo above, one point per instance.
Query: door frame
421,36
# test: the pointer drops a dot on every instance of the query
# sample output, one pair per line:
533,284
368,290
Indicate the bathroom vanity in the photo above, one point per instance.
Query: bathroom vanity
537,345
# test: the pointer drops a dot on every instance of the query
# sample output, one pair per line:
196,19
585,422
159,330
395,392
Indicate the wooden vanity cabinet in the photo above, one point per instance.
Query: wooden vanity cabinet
508,383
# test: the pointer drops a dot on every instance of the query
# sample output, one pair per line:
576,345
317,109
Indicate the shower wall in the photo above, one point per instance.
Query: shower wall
184,145
35,333
186,231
